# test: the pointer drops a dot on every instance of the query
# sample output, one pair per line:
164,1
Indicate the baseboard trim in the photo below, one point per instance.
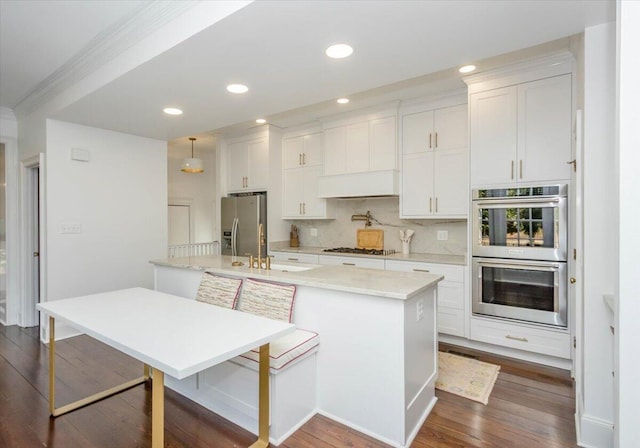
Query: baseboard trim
593,432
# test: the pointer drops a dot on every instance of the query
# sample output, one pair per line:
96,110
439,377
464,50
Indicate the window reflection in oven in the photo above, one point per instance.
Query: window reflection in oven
519,227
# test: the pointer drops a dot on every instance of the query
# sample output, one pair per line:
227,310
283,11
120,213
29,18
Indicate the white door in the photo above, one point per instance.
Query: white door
179,225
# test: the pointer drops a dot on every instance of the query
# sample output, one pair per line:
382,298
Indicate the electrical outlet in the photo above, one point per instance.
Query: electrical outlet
313,232
71,227
442,235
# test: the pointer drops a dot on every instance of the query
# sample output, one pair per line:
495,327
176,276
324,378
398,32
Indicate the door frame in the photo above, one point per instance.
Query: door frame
27,314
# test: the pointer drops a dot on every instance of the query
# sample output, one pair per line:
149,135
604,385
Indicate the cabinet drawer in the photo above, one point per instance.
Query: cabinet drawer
452,273
352,261
450,321
536,340
294,257
451,294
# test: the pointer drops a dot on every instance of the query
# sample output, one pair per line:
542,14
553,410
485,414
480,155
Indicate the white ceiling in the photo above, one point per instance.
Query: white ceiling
277,49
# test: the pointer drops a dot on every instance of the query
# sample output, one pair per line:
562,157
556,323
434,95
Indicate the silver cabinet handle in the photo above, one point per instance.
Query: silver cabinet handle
292,259
512,167
520,168
304,157
304,208
299,159
516,338
421,270
348,264
299,208
429,139
436,205
430,207
436,140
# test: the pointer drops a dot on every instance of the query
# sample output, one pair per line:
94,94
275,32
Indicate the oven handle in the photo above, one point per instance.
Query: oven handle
551,267
518,202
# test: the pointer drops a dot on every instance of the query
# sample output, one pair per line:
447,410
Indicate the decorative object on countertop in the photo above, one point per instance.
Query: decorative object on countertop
466,377
405,237
293,236
370,239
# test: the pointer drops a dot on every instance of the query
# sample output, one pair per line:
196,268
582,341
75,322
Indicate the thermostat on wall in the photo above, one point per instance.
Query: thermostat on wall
81,155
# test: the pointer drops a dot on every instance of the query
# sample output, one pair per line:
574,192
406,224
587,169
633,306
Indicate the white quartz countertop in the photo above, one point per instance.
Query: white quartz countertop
424,258
373,282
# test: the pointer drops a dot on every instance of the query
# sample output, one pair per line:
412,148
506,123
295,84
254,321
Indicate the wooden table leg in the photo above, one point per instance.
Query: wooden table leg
157,409
263,400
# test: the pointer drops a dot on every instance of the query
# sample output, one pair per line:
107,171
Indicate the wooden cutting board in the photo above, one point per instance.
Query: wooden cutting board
370,239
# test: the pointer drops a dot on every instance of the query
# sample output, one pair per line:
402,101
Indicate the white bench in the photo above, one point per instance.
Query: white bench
230,389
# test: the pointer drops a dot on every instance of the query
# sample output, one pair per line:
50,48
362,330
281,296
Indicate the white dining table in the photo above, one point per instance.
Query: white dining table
169,335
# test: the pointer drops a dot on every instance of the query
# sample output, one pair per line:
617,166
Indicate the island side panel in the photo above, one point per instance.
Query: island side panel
420,359
360,362
177,281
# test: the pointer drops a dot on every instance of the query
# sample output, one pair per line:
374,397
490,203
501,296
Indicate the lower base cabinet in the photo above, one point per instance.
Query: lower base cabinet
451,292
522,337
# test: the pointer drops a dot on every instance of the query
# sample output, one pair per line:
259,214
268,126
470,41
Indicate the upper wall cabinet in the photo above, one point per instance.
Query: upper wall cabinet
434,163
248,165
302,165
522,132
368,145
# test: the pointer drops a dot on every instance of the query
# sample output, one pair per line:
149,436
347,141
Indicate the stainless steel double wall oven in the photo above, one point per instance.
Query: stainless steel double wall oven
519,248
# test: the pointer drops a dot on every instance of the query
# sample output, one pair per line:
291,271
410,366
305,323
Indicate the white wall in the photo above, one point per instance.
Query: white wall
198,190
595,422
628,293
119,198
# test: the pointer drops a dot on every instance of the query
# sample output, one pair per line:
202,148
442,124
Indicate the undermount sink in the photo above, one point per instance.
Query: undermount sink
289,267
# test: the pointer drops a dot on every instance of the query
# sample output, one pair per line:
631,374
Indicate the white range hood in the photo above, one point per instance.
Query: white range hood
355,185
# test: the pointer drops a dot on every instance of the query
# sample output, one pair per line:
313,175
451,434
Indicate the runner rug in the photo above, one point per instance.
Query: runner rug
466,377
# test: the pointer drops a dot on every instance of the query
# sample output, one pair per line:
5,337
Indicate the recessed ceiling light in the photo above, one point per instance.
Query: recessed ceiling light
172,111
339,51
467,68
343,100
261,121
237,88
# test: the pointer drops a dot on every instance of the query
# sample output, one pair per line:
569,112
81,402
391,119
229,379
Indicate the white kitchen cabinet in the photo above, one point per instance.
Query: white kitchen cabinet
360,262
248,165
303,164
303,150
451,292
300,195
521,133
434,163
361,147
521,337
295,257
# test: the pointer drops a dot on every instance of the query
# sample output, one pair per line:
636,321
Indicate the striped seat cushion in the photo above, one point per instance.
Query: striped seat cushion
283,351
220,291
271,300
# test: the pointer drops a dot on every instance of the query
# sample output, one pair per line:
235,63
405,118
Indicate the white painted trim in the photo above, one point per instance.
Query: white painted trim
362,115
592,432
13,216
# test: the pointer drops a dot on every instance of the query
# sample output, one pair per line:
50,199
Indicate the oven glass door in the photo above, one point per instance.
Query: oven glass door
529,291
529,228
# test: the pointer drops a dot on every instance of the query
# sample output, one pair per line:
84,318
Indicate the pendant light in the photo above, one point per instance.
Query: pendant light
192,165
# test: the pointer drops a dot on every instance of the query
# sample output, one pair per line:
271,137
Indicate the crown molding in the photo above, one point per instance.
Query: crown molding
104,47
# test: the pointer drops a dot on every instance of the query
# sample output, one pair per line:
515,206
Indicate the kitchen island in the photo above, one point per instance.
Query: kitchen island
376,366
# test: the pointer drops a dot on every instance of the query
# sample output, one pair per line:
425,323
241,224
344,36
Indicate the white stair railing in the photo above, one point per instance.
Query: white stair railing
193,249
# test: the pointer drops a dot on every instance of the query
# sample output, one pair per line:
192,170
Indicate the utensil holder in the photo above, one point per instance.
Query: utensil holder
294,241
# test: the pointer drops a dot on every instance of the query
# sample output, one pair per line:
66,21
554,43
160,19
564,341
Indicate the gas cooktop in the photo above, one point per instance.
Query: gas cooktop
354,250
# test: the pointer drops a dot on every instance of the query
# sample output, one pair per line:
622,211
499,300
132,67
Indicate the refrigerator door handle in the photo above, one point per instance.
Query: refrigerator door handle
234,237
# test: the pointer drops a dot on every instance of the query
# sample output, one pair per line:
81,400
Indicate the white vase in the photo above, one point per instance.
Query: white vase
405,247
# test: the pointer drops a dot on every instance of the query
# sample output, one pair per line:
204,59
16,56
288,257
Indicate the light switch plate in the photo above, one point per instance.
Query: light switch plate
71,227
313,232
442,235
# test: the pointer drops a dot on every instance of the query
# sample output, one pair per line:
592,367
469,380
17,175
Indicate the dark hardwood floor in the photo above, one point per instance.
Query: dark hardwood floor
530,406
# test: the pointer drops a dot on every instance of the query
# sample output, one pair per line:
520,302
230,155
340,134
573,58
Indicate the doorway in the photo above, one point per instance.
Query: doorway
32,235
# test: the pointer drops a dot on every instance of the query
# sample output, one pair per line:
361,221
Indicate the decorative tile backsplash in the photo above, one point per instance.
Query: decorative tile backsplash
384,211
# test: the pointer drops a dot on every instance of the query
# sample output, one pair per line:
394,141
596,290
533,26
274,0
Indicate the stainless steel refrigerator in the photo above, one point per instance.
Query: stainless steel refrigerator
240,219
